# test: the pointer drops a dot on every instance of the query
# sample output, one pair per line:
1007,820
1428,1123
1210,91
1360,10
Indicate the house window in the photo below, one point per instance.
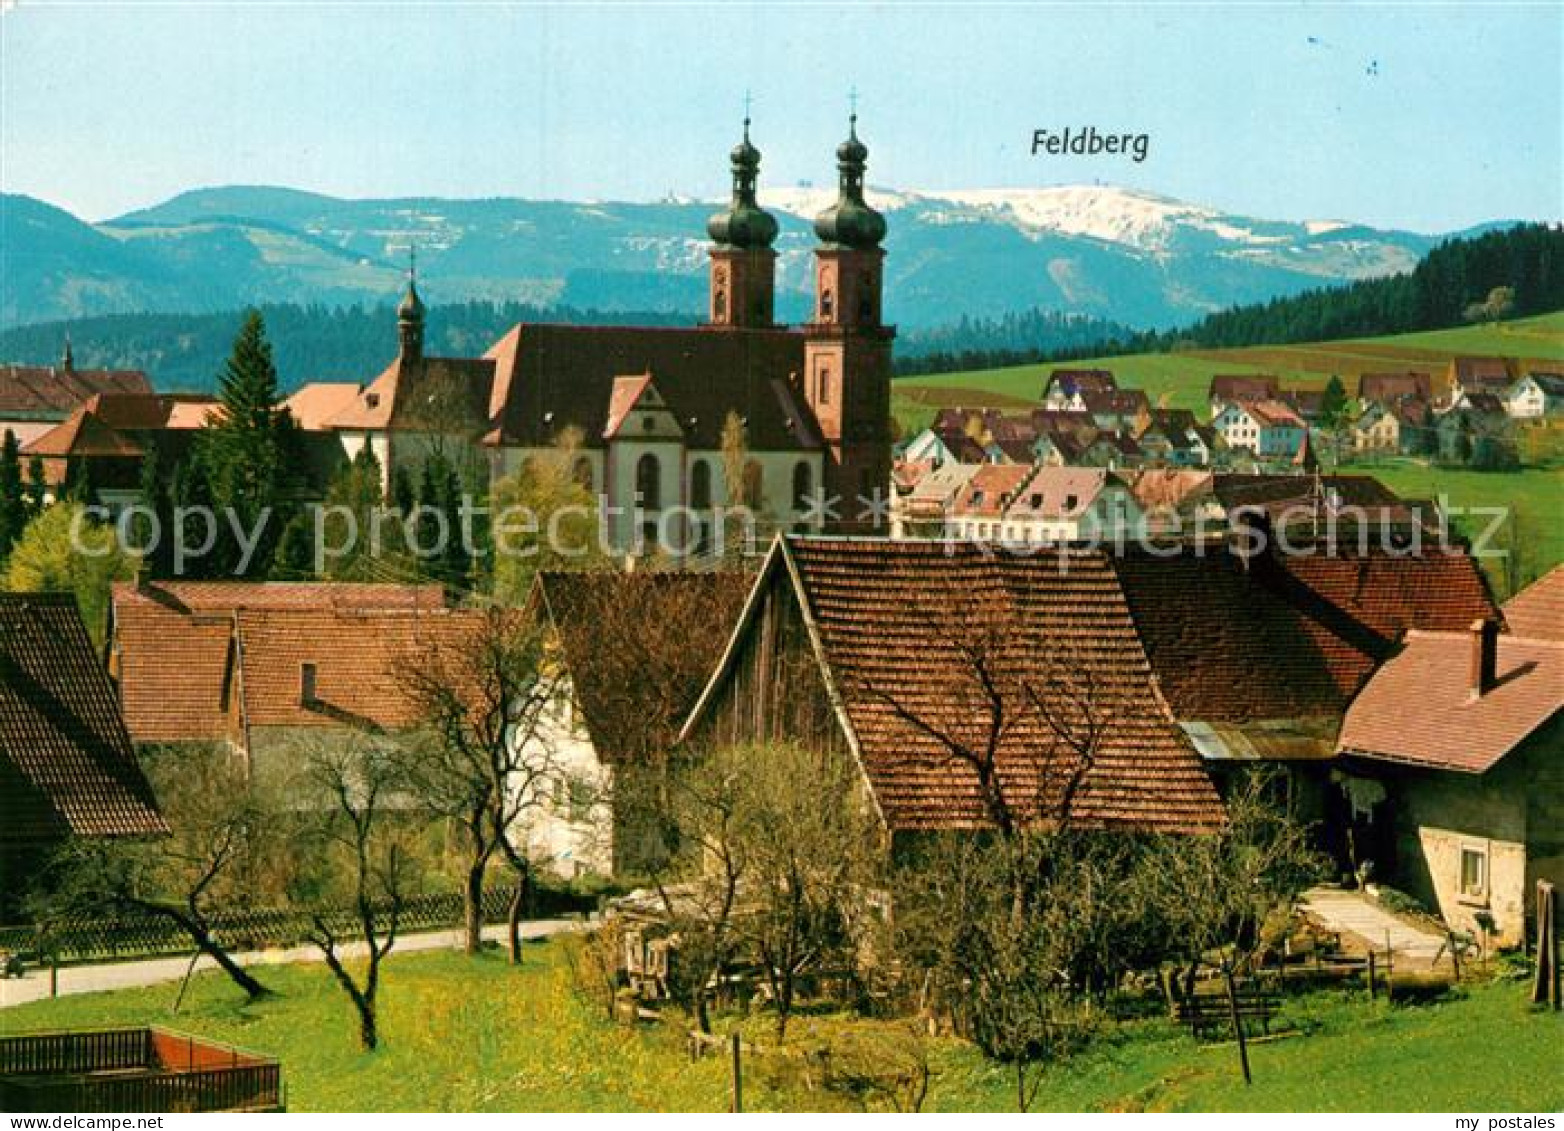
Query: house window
1474,872
700,484
648,481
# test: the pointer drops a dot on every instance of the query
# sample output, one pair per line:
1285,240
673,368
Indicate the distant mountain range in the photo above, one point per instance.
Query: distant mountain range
1133,257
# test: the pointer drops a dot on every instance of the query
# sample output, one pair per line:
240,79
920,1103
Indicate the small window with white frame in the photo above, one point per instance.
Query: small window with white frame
1474,871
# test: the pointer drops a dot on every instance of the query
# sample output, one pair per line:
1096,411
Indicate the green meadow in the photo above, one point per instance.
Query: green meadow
1180,380
466,1034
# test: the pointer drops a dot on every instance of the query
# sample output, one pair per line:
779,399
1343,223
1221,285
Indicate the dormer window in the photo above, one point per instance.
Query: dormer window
1036,501
1070,502
308,696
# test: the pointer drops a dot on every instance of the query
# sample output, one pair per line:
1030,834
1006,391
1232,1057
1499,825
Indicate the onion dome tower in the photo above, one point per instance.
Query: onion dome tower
410,318
743,265
847,354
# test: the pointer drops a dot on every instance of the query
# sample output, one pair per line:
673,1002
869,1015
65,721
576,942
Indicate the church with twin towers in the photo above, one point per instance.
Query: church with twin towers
646,408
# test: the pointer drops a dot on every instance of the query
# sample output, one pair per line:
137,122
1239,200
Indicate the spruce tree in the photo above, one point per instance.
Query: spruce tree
249,448
13,500
37,488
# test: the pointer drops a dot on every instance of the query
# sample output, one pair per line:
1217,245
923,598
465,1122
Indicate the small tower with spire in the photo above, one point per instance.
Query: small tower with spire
410,315
743,265
68,359
847,354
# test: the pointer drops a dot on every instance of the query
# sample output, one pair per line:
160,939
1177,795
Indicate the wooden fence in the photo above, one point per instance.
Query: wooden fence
94,938
133,1070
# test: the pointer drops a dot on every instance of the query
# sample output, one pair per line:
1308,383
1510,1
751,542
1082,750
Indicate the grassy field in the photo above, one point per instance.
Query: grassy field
478,1035
1181,379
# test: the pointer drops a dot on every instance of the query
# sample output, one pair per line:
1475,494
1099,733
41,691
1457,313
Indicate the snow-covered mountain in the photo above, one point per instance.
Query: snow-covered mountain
1131,256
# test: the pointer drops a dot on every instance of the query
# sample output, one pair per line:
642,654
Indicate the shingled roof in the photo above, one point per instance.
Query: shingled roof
176,650
1451,728
890,619
634,686
1287,636
66,764
1537,611
54,392
552,377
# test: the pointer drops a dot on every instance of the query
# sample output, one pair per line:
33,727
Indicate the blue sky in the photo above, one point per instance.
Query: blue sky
1421,116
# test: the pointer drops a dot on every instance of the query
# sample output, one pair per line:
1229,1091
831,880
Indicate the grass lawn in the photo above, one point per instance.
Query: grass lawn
1182,379
477,1035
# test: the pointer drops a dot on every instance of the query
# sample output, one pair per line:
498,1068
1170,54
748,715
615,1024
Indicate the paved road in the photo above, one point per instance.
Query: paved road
150,971
1355,913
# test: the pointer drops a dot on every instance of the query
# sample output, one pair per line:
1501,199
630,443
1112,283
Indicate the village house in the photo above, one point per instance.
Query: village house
263,668
924,508
1478,375
35,398
1172,437
936,449
1067,504
1267,428
1535,395
1376,431
649,404
634,651
1065,388
978,509
1117,410
1236,388
1467,432
1464,796
1258,651
1175,502
67,768
1387,388
102,445
821,657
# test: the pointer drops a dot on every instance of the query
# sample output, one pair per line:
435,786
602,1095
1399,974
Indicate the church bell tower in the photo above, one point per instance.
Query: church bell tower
743,266
847,354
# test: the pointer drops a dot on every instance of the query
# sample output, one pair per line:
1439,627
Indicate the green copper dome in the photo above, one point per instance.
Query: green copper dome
850,222
745,224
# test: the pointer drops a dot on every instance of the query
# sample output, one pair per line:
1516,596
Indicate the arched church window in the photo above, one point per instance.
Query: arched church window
700,484
719,305
823,385
648,482
827,304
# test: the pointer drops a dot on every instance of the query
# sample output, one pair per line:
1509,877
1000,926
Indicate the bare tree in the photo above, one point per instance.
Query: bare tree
485,748
360,851
213,857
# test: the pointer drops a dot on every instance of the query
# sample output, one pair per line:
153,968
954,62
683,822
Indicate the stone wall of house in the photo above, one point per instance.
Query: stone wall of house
1440,816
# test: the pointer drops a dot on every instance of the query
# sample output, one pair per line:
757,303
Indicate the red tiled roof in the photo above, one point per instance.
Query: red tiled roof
66,764
84,433
174,645
890,615
1394,386
56,391
1538,610
1275,414
1488,374
1244,387
991,490
1293,636
1419,708
314,405
356,654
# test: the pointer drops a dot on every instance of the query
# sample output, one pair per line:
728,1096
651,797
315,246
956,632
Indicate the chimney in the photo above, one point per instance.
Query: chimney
1485,656
307,697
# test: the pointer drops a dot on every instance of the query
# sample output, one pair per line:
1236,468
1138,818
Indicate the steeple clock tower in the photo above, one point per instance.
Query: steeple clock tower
847,353
743,266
